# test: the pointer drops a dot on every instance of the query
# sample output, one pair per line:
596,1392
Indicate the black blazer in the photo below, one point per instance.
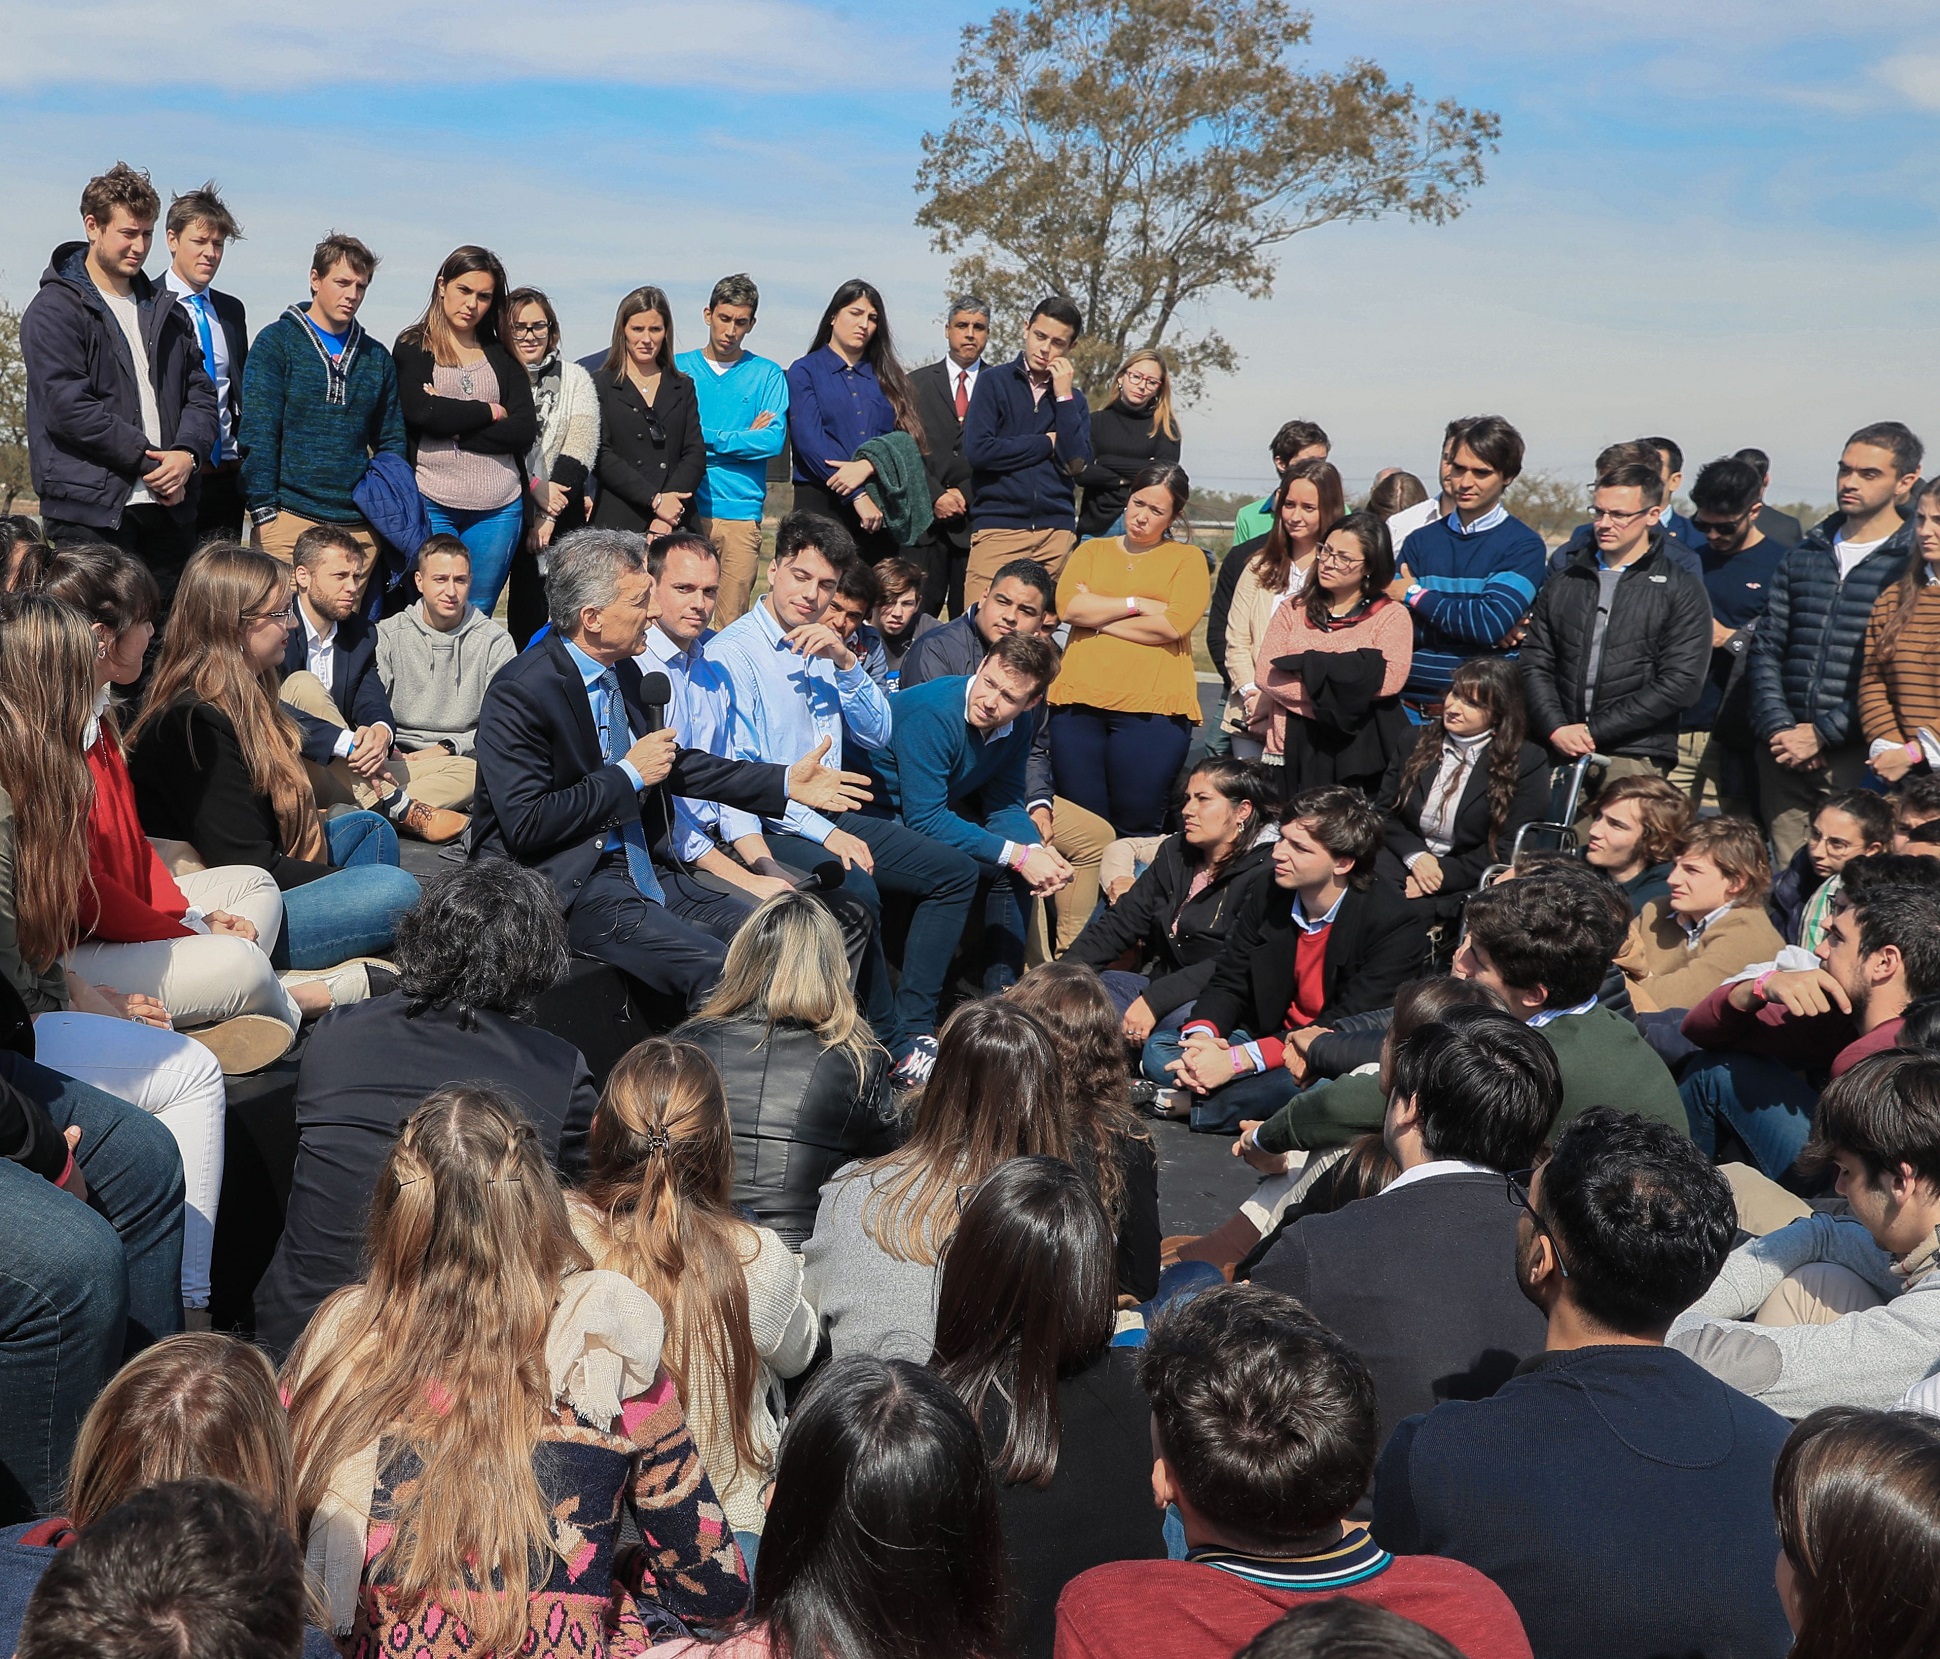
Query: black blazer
355,685
364,1070
634,465
1469,855
1377,941
192,784
427,415
1421,1283
546,796
937,409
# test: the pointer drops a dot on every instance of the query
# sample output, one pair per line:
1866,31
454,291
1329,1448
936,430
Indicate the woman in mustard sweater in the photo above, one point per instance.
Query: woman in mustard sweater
1127,699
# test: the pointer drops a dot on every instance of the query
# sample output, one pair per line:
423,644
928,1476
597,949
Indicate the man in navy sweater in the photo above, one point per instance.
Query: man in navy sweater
1619,1493
957,769
1026,434
1470,577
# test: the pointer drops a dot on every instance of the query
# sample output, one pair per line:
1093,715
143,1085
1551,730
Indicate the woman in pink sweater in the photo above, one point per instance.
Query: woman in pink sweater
1339,720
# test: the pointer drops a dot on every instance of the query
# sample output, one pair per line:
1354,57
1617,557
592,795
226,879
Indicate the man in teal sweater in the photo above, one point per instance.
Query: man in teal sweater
319,400
955,770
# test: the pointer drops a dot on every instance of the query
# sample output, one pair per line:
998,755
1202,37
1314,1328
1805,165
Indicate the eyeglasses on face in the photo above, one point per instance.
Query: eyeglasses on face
286,614
1518,1183
1338,561
1599,514
531,331
1150,382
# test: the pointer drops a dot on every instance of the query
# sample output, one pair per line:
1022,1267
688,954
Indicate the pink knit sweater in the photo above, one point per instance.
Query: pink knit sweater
1385,627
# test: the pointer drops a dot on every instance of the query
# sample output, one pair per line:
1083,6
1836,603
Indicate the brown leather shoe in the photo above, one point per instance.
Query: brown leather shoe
435,824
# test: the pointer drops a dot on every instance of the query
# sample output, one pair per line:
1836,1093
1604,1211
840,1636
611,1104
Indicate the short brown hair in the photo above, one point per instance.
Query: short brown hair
337,246
1665,810
895,577
320,539
440,542
1028,654
1737,847
120,186
1648,481
1344,821
204,203
1885,1112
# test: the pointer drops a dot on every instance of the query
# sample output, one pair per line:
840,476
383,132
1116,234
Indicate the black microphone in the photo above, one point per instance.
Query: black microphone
656,690
824,878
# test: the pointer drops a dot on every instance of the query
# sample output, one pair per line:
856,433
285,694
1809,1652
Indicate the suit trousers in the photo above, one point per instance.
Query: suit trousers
738,542
151,533
219,507
430,775
671,954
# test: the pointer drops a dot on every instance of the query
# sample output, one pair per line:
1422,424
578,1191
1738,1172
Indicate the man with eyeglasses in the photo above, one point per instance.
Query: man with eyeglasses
1619,1495
1618,640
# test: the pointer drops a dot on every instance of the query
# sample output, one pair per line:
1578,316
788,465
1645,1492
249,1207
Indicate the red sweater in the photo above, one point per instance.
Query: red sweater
130,898
1827,1042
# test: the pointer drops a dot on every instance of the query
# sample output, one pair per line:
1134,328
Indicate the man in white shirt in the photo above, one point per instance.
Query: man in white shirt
200,228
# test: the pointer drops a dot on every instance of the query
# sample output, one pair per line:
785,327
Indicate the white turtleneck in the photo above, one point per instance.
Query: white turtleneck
1459,758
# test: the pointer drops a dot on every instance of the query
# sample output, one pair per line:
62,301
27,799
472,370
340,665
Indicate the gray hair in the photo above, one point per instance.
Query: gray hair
586,568
967,302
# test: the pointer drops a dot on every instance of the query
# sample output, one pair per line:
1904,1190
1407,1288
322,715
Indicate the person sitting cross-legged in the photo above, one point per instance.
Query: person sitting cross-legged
1619,1494
1264,1435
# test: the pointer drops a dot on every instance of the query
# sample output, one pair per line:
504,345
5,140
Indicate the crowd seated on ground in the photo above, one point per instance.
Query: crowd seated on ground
710,1177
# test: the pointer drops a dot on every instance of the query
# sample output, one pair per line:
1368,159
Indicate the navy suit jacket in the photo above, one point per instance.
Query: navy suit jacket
355,684
547,796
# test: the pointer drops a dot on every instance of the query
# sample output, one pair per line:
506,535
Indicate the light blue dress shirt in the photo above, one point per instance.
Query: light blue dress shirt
784,704
591,672
698,714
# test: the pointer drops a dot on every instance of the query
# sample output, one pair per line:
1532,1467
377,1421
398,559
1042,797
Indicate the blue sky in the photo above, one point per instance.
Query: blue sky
1714,219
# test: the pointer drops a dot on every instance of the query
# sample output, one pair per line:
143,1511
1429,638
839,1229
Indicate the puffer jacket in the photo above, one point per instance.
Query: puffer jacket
1656,652
1180,959
1806,655
798,1113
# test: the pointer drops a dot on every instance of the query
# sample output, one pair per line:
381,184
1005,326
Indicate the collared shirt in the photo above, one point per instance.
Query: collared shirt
320,657
1498,514
833,409
197,300
1300,914
1354,1560
784,704
968,376
1694,931
591,675
698,714
1537,1021
1434,1167
1443,802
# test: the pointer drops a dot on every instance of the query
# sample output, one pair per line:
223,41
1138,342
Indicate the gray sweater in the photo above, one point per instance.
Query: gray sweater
869,1302
437,681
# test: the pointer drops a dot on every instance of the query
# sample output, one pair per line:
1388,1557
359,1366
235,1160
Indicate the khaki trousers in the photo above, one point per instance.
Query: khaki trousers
431,776
991,550
738,541
279,536
1817,1294
1081,837
1787,797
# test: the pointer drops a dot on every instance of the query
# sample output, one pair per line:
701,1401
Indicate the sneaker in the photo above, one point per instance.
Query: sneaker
1144,1092
245,1044
914,1069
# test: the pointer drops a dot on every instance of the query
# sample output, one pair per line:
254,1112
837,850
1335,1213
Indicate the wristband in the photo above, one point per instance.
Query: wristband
1914,752
1758,984
1234,1055
1131,607
1021,856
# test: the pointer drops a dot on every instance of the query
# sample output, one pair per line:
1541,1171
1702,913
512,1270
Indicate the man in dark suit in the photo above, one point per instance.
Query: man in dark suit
200,228
942,399
1420,1281
333,690
1321,941
577,773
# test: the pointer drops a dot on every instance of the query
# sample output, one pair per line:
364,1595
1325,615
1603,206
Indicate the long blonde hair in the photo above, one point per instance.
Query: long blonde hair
202,659
661,1178
788,965
442,1348
1163,418
47,653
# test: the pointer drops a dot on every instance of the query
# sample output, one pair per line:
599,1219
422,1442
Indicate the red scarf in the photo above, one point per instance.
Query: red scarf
130,897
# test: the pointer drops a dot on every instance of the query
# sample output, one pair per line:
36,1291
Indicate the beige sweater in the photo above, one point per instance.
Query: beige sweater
1666,971
1246,624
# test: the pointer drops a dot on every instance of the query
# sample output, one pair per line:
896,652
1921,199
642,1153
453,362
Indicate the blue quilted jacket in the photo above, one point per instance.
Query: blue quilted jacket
1806,654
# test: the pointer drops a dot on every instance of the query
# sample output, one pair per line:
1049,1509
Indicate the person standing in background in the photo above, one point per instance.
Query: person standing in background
1297,440
1780,527
567,411
943,393
743,404
651,456
1137,429
200,228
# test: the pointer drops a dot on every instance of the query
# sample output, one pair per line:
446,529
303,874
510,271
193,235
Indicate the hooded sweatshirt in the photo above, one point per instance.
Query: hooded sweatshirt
437,681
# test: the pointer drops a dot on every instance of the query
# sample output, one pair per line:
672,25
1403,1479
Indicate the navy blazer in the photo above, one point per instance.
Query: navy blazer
355,684
546,795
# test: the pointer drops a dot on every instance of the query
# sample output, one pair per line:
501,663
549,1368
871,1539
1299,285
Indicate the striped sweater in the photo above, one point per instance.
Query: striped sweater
1897,698
1473,591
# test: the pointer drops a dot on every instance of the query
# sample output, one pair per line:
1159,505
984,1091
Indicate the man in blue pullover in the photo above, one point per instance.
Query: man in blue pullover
1027,432
957,770
744,422
1471,577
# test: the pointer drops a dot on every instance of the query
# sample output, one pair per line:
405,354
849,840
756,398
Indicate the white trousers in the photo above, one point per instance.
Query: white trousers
169,1077
205,977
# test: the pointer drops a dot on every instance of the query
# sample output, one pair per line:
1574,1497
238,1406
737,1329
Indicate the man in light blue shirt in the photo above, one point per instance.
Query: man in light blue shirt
744,422
793,678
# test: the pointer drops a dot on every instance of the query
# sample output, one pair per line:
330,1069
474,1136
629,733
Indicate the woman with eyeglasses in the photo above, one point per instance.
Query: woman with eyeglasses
567,409
1332,714
1137,429
651,455
468,415
216,763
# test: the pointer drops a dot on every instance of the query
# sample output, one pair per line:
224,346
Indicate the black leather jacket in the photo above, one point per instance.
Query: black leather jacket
798,1113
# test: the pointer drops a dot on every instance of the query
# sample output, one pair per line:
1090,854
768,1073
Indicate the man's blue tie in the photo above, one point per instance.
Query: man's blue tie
613,742
199,304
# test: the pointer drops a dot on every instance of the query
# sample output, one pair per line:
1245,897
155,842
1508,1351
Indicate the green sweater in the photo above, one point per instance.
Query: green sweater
1603,1059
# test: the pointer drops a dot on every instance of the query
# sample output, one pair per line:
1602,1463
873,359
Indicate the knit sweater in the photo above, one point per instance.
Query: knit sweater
1248,616
868,1301
1666,970
964,788
437,680
1897,698
1473,590
311,423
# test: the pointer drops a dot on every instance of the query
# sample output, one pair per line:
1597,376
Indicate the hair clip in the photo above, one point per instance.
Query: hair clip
409,1180
659,1142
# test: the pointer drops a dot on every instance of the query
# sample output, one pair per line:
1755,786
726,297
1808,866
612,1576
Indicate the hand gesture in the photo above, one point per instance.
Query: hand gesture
950,504
762,421
75,1183
1797,747
1205,1063
1404,579
818,639
653,756
1573,742
868,514
168,478
1424,876
846,477
370,749
1118,887
1267,1163
1139,1021
1892,764
852,850
1064,375
240,927
1046,871
143,1010
822,787
1806,993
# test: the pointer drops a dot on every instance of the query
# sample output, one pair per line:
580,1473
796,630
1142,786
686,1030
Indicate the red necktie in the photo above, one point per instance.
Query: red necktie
963,392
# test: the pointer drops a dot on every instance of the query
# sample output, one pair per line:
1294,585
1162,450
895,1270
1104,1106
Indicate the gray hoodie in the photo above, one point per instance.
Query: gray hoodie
437,681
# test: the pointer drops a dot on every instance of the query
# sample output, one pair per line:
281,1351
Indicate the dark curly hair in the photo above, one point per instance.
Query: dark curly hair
487,935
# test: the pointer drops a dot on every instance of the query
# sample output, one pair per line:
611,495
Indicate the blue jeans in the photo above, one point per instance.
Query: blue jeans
354,910
1259,1094
82,1286
1178,1283
1007,901
1766,1105
491,534
1120,766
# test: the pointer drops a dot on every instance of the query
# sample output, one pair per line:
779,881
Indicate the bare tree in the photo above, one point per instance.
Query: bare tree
15,478
1141,155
